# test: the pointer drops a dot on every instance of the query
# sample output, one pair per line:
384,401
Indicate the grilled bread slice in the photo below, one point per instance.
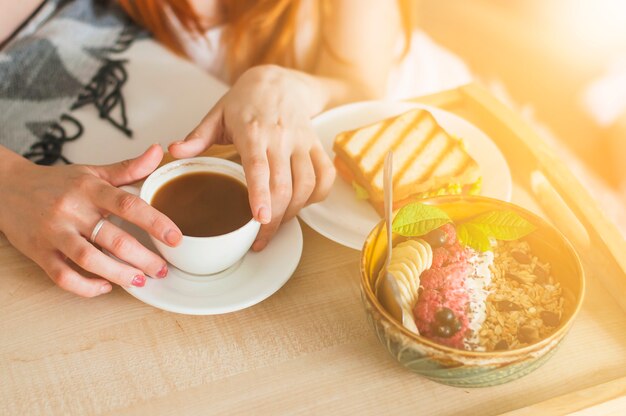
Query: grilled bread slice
426,159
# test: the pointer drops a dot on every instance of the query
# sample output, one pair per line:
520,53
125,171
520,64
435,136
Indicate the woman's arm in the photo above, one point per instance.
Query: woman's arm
14,13
360,40
49,212
267,112
357,43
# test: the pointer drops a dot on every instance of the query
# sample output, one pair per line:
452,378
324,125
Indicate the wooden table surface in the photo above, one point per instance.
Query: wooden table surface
306,349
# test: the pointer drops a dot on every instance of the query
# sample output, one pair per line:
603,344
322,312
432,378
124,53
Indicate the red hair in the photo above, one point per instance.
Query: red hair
258,31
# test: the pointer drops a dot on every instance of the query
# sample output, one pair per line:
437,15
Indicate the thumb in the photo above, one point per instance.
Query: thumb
205,134
131,170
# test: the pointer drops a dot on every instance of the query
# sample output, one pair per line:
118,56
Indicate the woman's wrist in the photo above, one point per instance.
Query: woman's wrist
329,92
10,161
11,165
321,92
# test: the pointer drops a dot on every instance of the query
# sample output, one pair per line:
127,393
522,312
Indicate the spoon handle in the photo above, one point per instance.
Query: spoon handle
388,193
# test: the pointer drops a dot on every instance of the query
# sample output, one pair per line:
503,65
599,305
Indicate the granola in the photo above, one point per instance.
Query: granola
525,303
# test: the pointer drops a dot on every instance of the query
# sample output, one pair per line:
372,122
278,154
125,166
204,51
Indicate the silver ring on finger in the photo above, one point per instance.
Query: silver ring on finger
96,230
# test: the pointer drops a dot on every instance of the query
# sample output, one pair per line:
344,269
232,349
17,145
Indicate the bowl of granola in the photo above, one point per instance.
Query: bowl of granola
477,291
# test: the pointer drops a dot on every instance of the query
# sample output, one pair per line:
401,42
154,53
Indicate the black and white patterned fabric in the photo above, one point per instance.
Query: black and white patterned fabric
63,58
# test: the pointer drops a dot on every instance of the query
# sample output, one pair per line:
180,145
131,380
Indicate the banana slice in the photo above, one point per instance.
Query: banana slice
408,321
402,314
425,252
402,276
408,261
412,257
408,257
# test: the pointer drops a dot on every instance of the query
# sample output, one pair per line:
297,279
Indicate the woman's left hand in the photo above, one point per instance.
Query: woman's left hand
267,116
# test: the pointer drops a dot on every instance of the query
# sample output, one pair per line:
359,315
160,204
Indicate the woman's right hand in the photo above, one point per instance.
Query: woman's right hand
49,213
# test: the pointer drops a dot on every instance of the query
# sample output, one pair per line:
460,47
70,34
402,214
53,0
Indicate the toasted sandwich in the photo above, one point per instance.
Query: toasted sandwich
427,161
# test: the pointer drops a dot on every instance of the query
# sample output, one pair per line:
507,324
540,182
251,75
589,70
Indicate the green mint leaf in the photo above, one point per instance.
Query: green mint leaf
502,225
416,219
473,236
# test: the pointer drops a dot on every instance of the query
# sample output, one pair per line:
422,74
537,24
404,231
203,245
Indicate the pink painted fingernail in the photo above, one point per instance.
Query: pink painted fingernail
263,215
139,280
163,272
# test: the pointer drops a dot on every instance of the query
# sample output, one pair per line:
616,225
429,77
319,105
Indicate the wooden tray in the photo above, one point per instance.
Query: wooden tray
309,349
544,184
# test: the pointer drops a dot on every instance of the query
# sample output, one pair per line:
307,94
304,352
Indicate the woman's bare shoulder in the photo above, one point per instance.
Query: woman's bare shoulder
360,37
15,13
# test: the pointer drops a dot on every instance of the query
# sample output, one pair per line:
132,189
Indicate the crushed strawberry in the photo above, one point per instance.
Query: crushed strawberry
443,287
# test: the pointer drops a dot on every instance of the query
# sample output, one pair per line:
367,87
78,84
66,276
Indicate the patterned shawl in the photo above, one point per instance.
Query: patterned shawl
62,59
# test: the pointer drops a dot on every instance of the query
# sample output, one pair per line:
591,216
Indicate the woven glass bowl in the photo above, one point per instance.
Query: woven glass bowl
466,368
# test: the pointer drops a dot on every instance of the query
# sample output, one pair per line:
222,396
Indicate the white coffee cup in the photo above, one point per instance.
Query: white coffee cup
202,255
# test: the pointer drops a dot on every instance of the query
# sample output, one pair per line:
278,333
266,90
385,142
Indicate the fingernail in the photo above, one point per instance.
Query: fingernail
259,245
172,237
263,215
177,143
139,280
163,272
105,288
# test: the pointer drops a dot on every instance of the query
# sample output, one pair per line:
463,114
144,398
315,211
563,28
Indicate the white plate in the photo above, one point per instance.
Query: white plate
250,281
345,219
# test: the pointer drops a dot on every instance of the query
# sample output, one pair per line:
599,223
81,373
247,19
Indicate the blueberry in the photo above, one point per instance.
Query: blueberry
436,238
444,315
456,326
443,331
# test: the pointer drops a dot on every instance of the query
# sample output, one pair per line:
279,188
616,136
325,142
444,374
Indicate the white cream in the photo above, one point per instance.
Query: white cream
476,286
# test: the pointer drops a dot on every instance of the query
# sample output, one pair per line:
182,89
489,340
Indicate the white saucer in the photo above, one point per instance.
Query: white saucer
347,220
250,281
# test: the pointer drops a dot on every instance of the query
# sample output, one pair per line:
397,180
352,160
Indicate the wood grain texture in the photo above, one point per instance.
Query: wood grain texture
605,398
308,349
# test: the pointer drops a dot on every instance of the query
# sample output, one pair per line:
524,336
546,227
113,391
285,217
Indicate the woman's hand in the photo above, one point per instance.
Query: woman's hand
49,213
267,116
